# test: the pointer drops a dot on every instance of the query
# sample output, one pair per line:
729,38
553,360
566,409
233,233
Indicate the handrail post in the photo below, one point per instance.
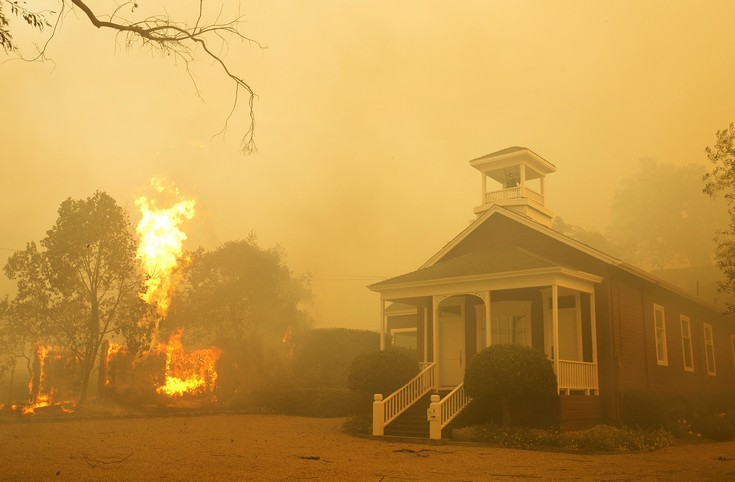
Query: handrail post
434,416
378,414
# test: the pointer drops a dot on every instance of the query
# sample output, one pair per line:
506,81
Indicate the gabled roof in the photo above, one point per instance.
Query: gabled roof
443,265
495,259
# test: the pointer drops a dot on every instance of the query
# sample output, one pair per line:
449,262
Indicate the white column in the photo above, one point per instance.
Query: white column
484,187
555,325
426,333
488,325
593,330
383,323
435,337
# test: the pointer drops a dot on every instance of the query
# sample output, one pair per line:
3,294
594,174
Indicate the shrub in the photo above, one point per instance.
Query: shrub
381,372
322,357
716,427
310,402
600,438
613,439
511,437
509,373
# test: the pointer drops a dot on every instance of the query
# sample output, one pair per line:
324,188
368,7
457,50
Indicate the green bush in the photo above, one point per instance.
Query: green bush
651,409
510,374
511,437
322,357
715,427
310,402
381,372
613,439
600,438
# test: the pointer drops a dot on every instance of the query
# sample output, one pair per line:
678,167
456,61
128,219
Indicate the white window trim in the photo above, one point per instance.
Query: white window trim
732,342
706,352
684,340
665,360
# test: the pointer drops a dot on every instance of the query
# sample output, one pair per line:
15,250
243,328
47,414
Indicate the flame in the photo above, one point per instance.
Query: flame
188,372
161,243
112,350
42,398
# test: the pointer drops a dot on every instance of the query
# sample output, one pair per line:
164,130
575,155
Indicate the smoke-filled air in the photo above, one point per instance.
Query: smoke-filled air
260,239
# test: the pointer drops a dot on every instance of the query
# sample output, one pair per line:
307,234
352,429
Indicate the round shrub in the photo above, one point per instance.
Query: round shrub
381,372
508,373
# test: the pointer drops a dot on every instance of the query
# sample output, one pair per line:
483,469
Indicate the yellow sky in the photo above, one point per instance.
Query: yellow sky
367,114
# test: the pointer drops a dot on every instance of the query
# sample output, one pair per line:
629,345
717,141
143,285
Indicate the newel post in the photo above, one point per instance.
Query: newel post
433,415
378,414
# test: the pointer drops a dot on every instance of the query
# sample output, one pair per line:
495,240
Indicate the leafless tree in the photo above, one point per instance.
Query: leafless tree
161,33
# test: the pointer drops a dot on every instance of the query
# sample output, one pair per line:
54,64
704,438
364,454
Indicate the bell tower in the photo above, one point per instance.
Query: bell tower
514,178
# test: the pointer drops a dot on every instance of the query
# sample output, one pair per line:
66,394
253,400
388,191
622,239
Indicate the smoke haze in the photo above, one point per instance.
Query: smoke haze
367,114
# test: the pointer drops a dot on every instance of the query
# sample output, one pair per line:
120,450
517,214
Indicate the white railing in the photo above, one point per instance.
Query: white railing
577,375
512,193
386,410
443,411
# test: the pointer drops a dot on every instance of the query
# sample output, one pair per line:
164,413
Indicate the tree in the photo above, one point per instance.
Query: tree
159,32
83,284
244,299
381,372
721,180
591,238
660,218
507,373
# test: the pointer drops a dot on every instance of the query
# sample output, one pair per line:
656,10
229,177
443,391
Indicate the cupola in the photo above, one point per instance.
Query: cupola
514,179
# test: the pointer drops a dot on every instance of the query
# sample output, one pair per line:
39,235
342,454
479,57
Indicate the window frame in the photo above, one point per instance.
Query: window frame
686,340
664,360
732,342
710,343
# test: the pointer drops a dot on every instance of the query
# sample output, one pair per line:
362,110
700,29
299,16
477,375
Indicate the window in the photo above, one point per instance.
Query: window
510,323
659,321
686,343
709,349
404,338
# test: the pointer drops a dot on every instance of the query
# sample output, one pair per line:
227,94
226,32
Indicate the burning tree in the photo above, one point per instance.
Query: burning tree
83,284
245,300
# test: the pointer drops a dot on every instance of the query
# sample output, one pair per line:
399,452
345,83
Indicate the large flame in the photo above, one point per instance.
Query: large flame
161,243
188,372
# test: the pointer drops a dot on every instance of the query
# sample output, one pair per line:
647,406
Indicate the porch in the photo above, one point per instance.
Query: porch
556,317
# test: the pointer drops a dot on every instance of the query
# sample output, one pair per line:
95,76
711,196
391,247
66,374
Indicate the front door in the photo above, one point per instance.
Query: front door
451,346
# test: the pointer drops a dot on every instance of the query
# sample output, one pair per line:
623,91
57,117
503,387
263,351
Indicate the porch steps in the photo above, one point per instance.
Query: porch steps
413,423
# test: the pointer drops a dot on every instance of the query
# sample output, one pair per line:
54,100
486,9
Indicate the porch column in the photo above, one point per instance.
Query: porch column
593,328
488,333
555,325
383,323
435,300
484,187
426,333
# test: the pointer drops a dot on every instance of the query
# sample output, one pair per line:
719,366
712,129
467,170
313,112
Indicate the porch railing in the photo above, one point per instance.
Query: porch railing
386,410
443,411
577,375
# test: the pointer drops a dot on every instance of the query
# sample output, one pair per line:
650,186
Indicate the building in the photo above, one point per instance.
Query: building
607,326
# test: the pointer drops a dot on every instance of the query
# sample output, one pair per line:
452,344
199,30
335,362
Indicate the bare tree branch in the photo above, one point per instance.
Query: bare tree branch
159,32
169,36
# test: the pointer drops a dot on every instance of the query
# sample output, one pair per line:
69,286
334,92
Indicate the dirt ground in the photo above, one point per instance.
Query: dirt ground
273,447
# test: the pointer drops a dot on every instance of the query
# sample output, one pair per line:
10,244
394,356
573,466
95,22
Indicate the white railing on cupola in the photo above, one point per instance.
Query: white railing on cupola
386,410
513,193
443,411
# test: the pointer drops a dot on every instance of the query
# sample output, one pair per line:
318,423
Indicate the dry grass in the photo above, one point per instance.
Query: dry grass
271,447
